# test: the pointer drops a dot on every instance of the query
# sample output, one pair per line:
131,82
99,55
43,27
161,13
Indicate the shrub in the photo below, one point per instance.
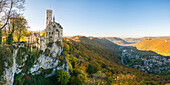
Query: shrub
78,77
66,47
6,55
92,69
62,77
58,43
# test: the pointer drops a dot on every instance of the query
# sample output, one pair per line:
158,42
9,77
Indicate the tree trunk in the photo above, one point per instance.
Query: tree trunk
13,26
19,35
19,39
9,39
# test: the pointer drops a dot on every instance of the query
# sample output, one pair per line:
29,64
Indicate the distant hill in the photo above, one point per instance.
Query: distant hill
125,41
136,40
98,42
117,40
158,45
133,40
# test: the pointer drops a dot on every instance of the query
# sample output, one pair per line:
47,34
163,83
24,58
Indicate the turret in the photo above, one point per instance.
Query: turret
48,17
53,18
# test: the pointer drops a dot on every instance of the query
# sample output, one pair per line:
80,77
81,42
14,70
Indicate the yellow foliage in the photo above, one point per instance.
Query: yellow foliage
42,34
81,77
16,39
70,66
65,39
125,77
160,46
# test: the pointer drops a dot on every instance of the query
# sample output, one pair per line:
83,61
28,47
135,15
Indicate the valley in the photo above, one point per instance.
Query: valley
146,61
134,55
110,61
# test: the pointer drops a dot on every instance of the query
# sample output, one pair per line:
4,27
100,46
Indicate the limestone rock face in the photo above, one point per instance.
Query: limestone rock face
44,62
49,62
10,71
55,50
19,67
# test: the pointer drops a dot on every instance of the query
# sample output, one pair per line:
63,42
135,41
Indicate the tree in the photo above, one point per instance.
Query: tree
7,9
78,77
20,27
93,68
10,36
66,47
43,33
62,77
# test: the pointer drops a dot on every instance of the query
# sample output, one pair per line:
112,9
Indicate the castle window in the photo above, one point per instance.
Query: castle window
54,26
49,32
52,32
56,29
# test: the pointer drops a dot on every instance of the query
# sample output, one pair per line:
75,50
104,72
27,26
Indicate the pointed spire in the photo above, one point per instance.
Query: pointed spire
53,18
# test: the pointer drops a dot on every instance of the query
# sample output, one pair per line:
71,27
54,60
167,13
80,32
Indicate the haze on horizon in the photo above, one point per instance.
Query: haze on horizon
101,18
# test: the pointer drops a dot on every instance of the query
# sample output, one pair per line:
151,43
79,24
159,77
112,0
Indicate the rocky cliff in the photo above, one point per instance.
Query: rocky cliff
24,63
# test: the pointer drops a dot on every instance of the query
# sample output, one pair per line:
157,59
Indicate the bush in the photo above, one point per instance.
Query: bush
78,77
6,55
66,47
62,77
92,69
58,43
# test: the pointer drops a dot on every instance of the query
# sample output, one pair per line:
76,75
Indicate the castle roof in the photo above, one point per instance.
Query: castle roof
58,24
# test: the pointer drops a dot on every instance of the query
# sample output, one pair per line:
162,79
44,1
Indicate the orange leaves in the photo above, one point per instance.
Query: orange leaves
160,46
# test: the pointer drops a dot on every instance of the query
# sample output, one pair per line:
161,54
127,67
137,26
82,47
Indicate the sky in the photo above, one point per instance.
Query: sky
103,18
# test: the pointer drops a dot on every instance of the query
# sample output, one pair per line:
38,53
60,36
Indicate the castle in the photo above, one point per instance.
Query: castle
53,31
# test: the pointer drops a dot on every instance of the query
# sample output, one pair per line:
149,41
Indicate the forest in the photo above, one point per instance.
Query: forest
88,65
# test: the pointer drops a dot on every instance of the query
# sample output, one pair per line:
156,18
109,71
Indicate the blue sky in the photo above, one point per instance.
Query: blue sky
99,18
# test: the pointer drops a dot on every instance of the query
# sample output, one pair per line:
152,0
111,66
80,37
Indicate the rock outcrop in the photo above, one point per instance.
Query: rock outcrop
46,61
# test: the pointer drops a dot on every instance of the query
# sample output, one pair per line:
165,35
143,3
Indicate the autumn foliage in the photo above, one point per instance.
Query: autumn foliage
91,63
160,46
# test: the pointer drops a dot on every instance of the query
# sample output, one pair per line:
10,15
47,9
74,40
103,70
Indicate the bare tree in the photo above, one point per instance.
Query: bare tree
9,8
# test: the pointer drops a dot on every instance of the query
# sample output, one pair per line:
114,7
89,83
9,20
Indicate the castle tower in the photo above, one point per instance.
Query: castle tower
48,17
